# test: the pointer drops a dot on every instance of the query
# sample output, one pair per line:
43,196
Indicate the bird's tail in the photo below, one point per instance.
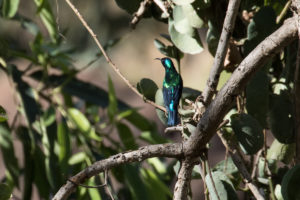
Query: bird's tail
173,118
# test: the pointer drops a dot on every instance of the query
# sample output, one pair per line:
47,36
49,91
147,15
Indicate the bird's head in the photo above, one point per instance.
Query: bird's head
166,62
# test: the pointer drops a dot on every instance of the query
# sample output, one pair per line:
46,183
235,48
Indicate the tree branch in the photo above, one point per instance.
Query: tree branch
228,27
109,61
225,98
296,91
159,150
239,163
183,180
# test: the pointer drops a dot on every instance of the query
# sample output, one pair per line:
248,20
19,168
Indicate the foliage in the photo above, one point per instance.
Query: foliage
68,134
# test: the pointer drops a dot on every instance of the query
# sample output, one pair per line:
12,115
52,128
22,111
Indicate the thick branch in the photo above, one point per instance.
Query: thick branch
160,150
183,180
228,27
214,114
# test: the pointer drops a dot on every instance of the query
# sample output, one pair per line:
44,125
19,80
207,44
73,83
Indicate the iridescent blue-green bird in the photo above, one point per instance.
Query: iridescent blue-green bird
172,89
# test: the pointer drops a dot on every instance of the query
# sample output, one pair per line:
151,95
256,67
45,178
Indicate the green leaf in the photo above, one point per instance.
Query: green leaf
281,152
126,137
135,183
148,88
223,186
8,153
157,189
27,95
212,37
5,191
45,13
158,165
159,100
81,89
262,25
130,7
187,43
63,140
169,50
227,167
10,8
93,192
49,116
190,93
152,137
28,172
40,178
224,77
183,2
257,97
77,158
139,121
248,131
290,184
281,117
3,116
82,123
112,107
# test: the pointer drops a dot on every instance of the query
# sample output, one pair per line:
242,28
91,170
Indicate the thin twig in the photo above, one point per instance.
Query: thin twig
255,164
140,12
283,12
174,128
228,27
109,61
240,164
205,160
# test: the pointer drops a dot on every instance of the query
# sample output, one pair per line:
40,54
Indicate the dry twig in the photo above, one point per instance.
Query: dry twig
109,61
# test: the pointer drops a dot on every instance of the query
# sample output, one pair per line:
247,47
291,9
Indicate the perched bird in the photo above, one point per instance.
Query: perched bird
172,89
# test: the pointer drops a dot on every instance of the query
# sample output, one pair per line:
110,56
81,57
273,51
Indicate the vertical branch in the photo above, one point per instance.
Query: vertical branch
228,27
183,180
296,7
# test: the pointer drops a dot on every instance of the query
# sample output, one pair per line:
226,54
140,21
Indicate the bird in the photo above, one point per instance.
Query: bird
172,90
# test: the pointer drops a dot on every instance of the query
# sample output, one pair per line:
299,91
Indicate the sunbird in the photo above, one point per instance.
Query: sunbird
172,90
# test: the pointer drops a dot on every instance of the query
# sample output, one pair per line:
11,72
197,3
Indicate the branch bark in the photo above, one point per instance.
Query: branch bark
216,111
160,150
183,180
227,30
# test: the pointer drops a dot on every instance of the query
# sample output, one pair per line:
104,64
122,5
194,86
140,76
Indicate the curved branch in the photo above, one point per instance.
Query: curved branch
109,61
214,114
228,27
159,150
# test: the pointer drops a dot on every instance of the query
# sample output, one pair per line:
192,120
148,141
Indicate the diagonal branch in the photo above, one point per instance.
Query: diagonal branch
159,150
214,114
228,27
239,163
109,61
